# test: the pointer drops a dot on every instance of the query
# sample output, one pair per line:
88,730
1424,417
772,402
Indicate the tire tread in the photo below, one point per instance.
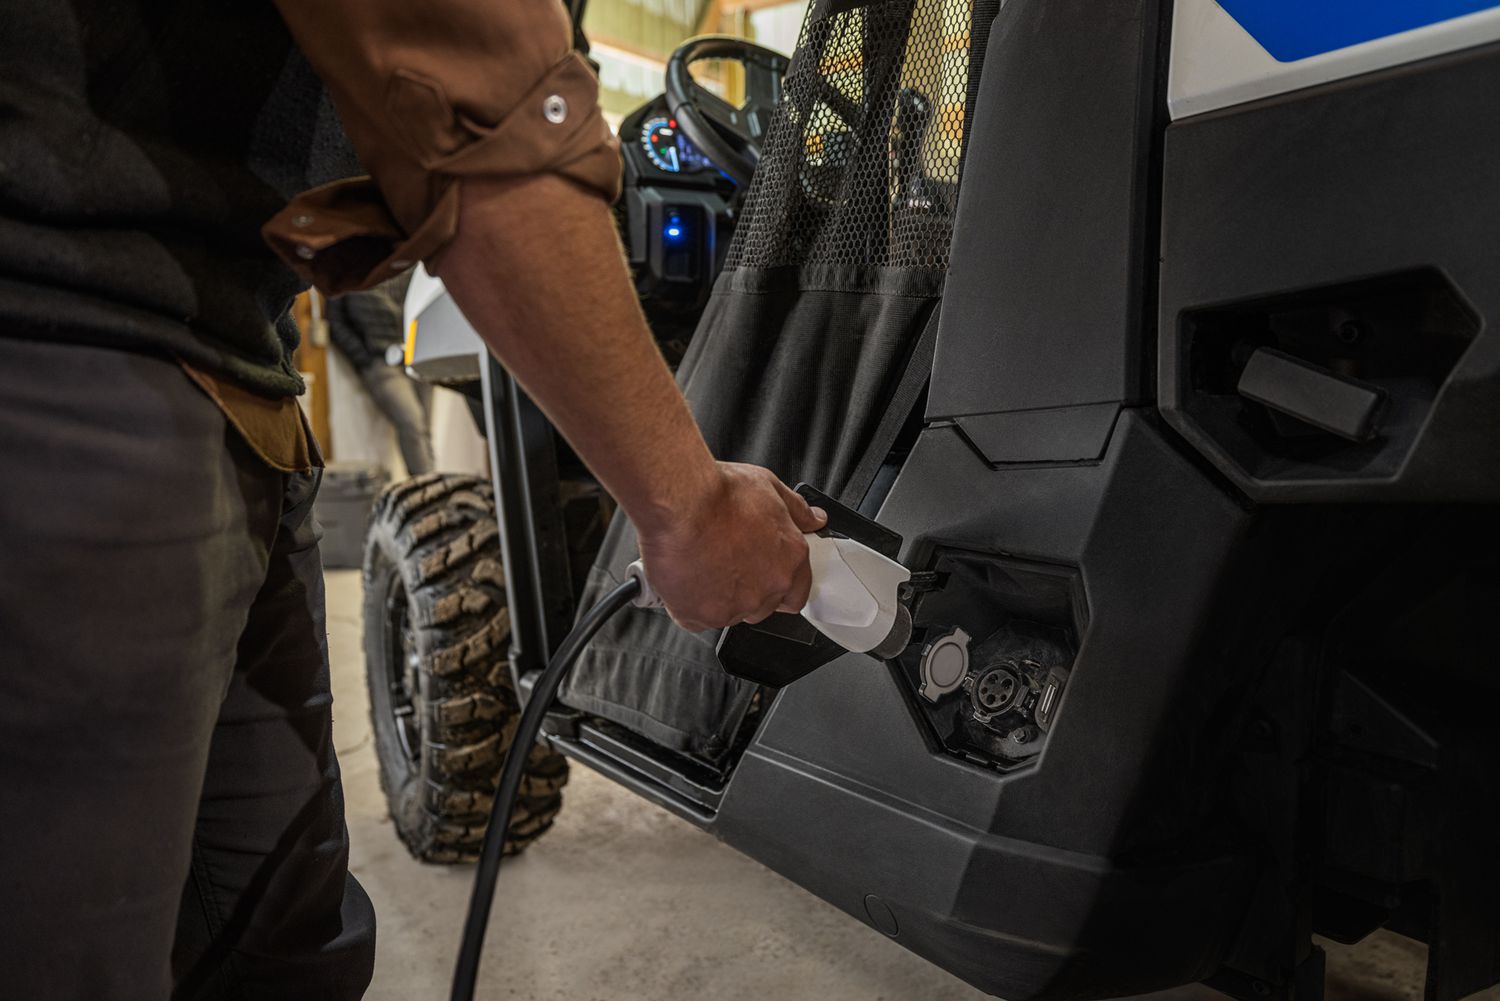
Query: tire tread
438,532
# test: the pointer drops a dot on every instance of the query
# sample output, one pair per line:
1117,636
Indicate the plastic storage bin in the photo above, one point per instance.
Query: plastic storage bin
343,509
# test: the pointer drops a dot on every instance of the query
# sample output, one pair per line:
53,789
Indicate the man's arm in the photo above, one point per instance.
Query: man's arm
537,267
480,125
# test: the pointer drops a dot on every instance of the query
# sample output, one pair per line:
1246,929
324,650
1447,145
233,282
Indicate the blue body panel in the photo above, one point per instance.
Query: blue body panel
1296,29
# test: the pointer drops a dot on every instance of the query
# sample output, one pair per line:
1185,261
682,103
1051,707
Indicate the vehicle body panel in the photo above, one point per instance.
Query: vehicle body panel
1217,62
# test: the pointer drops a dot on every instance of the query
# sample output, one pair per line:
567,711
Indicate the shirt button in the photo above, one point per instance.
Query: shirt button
305,252
555,109
302,221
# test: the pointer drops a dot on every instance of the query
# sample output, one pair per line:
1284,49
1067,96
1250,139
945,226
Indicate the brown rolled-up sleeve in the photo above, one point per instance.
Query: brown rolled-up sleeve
432,93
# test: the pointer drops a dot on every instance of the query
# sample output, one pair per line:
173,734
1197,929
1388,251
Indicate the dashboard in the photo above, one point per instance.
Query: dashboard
675,218
668,149
658,153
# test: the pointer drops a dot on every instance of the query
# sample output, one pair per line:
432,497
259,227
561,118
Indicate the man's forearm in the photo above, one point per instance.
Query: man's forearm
536,267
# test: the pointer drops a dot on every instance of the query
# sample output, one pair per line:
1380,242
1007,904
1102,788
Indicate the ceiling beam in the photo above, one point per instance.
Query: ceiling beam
744,6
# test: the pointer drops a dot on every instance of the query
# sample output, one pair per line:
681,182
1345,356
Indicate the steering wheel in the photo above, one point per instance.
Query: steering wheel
731,137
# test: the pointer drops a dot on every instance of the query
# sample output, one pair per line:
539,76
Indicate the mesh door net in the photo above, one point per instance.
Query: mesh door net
862,161
834,271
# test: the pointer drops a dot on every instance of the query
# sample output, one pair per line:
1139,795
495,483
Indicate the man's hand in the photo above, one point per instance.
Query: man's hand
736,555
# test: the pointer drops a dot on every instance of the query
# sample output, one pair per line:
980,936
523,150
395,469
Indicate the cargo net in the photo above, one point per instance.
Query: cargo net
861,164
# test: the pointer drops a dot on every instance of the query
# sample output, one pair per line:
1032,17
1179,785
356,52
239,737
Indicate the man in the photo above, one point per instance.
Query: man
170,818
365,327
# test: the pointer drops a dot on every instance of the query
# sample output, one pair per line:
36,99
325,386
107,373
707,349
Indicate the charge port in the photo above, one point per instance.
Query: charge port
996,690
996,704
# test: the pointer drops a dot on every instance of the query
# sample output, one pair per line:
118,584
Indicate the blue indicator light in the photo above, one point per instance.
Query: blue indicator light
673,231
674,227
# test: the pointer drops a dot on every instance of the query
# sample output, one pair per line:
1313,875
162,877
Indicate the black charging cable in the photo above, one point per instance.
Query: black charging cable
466,972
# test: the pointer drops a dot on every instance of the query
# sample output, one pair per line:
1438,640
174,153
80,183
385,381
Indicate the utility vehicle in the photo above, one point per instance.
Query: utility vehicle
1160,338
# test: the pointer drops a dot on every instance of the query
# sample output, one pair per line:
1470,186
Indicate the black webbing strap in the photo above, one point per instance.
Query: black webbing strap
903,398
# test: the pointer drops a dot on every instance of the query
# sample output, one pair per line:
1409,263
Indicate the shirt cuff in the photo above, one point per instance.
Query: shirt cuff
354,234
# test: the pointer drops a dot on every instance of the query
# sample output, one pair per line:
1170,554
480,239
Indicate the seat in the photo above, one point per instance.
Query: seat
835,271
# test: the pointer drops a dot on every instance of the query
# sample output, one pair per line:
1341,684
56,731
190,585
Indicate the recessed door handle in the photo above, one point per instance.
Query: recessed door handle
1312,394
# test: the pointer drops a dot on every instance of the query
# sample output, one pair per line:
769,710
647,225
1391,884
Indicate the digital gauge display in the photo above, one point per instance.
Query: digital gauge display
668,148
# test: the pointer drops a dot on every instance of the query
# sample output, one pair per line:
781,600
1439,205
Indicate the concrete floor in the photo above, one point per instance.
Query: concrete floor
623,901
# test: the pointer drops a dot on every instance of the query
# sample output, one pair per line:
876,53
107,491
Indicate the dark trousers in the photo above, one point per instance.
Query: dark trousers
171,820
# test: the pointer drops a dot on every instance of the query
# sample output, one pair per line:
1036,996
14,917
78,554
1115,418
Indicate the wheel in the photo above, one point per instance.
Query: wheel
441,700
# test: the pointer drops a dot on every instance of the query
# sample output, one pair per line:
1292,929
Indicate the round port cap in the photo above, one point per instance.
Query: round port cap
945,662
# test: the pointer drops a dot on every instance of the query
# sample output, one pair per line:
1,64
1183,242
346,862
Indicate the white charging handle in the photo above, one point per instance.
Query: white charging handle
853,600
854,592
